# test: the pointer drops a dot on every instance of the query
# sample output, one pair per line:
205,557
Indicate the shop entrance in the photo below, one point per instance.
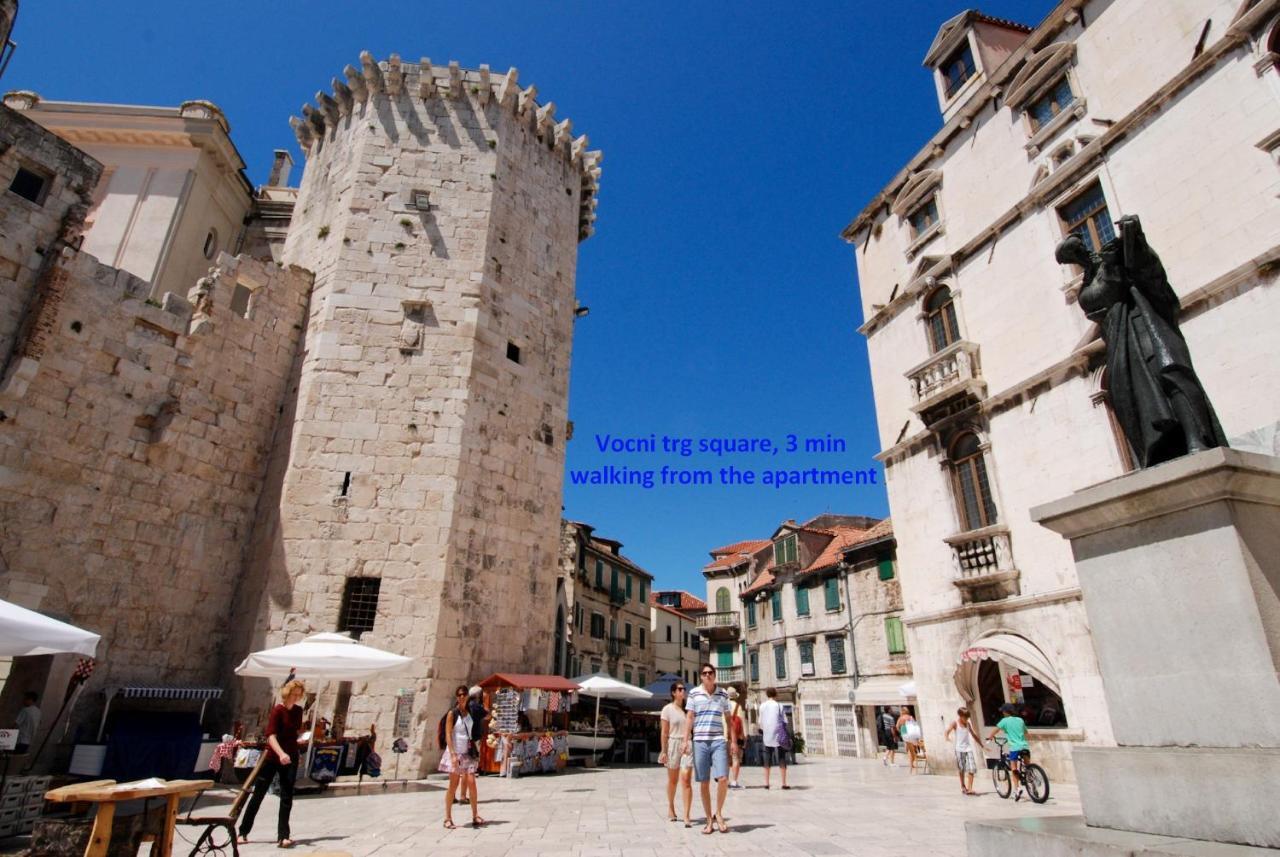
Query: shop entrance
1006,668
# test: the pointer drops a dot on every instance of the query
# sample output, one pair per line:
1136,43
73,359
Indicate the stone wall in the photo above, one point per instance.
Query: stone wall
133,445
440,211
32,232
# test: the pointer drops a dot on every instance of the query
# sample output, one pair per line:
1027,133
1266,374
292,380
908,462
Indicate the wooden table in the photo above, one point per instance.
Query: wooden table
107,793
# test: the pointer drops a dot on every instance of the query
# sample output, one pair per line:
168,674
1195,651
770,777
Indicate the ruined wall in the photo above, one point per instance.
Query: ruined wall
440,211
133,445
31,231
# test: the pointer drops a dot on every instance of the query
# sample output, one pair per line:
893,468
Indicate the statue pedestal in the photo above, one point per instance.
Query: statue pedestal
1179,566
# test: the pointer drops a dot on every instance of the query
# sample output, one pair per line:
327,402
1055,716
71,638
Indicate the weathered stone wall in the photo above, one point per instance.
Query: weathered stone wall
133,448
420,454
31,231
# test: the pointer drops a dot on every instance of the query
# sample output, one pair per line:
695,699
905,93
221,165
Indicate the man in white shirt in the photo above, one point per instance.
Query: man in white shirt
771,719
28,722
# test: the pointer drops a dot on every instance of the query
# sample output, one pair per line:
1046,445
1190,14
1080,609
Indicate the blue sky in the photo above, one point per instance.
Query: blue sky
738,141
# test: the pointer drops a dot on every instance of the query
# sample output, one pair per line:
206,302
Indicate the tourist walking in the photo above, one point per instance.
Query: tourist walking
463,754
705,732
479,726
1018,751
909,729
737,738
773,723
967,743
679,764
889,736
283,724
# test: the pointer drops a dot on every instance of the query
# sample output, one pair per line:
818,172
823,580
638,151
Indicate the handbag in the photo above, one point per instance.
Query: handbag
783,735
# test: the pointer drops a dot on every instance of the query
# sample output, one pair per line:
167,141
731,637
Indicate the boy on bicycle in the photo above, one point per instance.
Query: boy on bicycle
1015,731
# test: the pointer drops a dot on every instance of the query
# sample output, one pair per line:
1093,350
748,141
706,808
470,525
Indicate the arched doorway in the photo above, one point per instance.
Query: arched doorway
1002,667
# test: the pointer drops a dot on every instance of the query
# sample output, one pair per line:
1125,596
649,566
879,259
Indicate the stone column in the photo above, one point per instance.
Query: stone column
1179,566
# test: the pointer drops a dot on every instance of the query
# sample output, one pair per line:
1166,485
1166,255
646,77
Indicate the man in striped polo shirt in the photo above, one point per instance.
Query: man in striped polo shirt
706,730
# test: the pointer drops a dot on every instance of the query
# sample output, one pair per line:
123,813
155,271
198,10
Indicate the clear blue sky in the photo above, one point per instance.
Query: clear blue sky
739,140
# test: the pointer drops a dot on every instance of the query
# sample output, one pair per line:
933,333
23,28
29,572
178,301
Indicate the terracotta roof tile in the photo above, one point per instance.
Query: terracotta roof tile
688,601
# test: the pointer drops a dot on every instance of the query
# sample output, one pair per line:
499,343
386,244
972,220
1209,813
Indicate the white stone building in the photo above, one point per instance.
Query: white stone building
677,645
988,379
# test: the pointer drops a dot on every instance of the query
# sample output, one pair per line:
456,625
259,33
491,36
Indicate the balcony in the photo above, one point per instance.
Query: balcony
950,373
729,675
617,596
982,564
618,647
719,626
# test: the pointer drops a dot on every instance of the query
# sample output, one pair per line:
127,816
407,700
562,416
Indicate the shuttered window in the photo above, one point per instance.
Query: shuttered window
835,648
802,600
894,636
886,568
775,605
832,592
780,661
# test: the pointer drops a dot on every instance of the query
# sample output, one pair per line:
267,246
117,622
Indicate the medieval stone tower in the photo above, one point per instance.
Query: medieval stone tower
420,470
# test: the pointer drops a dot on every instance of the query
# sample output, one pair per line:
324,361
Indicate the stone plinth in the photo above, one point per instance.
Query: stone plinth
1179,566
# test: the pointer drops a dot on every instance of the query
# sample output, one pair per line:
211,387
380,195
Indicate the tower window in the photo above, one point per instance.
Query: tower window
970,483
513,352
210,244
359,605
957,69
346,483
240,300
29,185
940,318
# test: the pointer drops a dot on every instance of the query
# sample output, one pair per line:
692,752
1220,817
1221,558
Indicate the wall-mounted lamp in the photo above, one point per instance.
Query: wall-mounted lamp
581,311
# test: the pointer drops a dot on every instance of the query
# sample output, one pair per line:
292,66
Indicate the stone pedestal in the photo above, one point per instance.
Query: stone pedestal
1179,567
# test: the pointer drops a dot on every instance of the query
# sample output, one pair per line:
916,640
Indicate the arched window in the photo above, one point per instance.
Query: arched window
972,488
940,316
722,600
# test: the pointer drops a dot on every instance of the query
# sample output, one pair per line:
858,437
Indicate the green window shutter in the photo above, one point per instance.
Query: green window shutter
832,592
780,661
751,614
613,578
791,549
628,587
644,591
835,647
886,568
894,636
755,666
775,605
627,633
802,600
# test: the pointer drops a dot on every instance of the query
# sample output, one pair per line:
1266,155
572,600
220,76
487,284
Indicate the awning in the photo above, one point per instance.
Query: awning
881,690
527,681
1013,651
159,691
26,632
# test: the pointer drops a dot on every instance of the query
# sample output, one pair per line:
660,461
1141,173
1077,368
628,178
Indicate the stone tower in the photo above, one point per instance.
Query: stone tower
440,210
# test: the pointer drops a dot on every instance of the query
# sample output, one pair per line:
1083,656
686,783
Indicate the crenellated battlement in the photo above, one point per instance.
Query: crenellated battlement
393,79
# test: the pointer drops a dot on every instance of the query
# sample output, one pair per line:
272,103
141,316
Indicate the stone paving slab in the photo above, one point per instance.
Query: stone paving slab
838,806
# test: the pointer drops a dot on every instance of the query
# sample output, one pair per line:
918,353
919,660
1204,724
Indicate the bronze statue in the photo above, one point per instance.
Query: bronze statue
1155,394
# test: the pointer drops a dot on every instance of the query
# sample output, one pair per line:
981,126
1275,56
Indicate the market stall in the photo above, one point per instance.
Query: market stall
318,659
528,723
603,686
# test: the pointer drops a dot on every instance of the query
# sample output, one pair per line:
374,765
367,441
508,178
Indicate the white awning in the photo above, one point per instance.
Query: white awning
26,632
881,690
137,691
1012,650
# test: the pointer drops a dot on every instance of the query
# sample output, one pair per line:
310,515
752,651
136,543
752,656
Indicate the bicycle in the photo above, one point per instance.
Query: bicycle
1032,775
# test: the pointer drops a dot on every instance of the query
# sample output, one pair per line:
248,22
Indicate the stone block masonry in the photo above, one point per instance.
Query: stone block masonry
440,209
133,448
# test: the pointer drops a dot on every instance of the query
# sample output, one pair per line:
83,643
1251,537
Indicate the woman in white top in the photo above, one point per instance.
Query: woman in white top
462,764
967,744
909,729
679,765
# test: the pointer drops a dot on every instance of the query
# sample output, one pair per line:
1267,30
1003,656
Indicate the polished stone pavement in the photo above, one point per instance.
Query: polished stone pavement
837,806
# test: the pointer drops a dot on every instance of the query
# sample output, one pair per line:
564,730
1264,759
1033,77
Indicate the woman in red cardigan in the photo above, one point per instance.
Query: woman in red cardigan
283,725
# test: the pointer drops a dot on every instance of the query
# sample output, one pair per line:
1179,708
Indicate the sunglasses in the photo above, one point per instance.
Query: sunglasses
679,688
707,672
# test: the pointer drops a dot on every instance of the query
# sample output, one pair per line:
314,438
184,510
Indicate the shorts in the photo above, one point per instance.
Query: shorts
966,762
774,757
1015,755
677,761
710,760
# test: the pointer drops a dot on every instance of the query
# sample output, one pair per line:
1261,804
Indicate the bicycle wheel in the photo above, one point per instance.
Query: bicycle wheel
1000,779
1036,781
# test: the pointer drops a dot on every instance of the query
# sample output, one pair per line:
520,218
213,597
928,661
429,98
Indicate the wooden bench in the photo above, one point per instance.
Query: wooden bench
208,843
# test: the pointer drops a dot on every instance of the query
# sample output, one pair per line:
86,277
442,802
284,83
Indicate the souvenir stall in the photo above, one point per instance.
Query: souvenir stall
528,723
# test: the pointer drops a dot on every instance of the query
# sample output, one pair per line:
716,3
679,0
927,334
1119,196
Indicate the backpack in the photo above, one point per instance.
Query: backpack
441,738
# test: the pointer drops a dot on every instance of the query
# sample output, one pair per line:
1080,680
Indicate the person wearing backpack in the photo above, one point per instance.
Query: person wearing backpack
777,741
462,764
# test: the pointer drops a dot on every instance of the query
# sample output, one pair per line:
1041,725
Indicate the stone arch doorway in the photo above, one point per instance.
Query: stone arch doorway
1002,667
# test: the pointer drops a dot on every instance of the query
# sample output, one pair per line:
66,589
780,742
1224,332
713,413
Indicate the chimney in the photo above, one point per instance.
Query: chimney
280,169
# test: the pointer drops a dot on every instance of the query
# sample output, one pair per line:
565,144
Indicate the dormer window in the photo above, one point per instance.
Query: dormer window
784,550
1046,108
957,69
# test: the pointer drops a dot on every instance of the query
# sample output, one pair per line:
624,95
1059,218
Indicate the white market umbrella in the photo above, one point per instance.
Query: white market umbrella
26,632
603,686
322,657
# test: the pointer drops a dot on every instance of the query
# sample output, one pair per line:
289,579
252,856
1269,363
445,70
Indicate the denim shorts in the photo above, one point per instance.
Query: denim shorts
710,760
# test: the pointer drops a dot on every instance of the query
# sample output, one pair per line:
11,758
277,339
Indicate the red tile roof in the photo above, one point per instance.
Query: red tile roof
748,546
731,556
842,538
763,579
526,680
688,601
673,611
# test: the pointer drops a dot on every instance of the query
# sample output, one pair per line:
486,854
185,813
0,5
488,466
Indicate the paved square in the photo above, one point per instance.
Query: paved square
837,806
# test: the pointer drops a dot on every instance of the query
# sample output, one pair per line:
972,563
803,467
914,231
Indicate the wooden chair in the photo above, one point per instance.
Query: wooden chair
207,844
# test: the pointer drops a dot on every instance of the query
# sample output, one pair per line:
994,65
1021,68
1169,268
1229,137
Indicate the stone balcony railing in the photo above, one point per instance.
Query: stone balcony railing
718,624
729,675
982,564
950,372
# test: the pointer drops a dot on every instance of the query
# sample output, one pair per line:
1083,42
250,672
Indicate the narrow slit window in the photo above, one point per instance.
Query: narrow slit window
29,185
513,352
346,483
